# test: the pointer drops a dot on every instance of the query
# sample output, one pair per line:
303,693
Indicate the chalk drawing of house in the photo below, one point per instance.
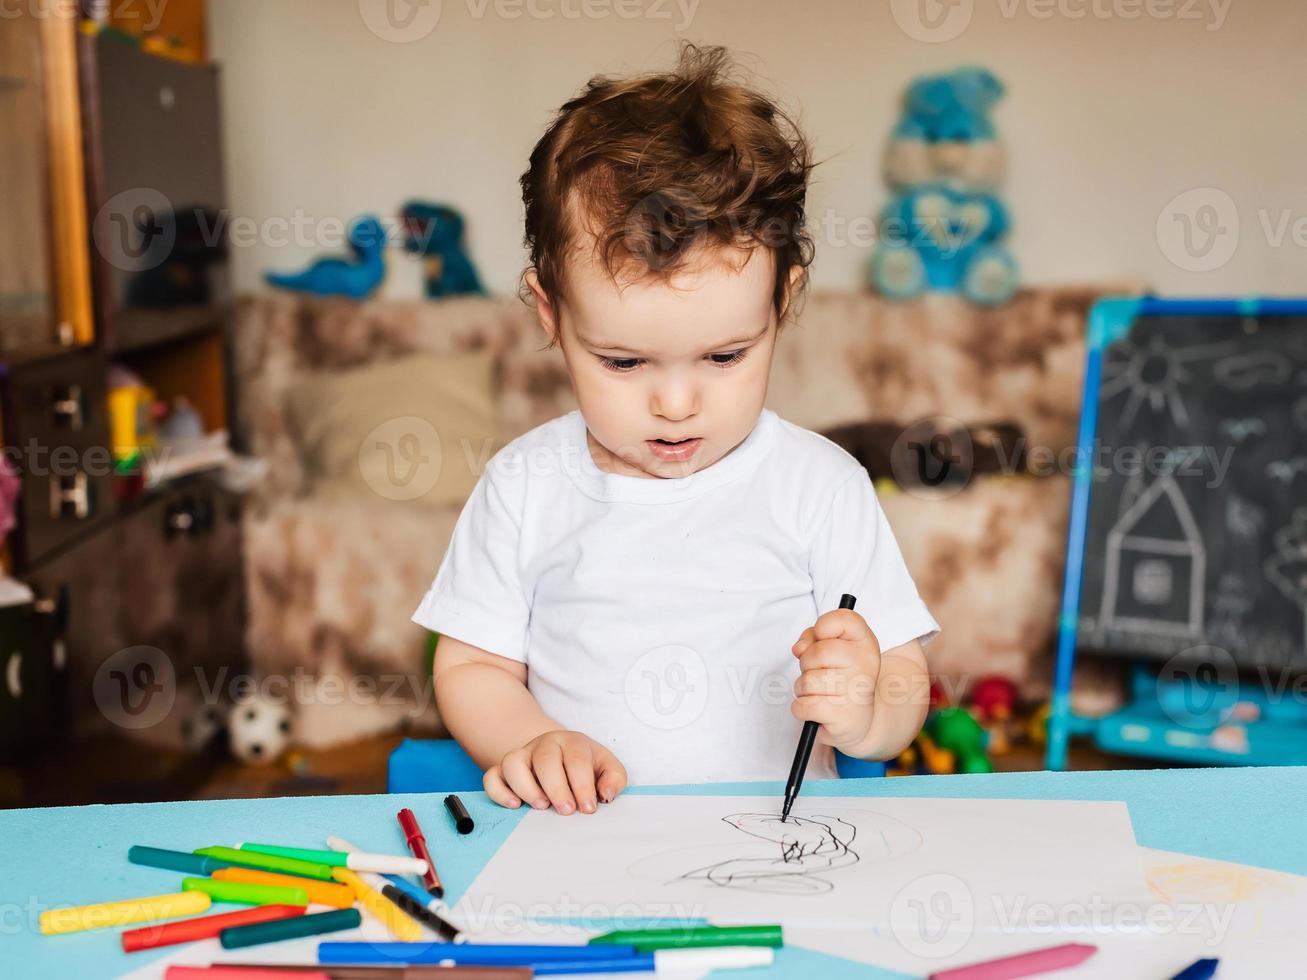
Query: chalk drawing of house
1155,566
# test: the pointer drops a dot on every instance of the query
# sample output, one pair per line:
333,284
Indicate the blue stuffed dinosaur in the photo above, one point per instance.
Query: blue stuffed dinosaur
944,227
435,233
355,278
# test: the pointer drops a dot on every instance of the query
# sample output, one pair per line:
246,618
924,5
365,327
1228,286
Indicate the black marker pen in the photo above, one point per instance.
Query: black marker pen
806,741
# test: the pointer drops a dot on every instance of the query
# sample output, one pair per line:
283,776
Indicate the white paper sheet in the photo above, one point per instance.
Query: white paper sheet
887,863
1248,918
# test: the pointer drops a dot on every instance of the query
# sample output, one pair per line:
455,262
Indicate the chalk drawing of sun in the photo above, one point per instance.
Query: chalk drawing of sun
1154,374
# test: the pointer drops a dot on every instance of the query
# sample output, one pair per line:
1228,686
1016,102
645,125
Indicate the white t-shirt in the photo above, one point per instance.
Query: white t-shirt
657,615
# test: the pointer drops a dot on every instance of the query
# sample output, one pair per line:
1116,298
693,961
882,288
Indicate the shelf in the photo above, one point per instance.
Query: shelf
138,330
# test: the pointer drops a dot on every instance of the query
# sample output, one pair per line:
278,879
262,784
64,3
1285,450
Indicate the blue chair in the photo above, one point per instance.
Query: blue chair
427,765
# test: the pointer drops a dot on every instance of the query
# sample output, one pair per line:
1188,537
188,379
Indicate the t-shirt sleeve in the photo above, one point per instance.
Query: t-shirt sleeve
854,551
478,595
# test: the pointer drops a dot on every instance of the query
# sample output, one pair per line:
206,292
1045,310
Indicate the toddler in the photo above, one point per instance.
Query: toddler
646,589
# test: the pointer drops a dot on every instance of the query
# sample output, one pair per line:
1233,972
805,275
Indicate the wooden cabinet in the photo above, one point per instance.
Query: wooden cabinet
44,262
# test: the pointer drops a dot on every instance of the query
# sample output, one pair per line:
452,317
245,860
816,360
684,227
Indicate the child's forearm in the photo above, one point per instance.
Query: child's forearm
488,710
899,707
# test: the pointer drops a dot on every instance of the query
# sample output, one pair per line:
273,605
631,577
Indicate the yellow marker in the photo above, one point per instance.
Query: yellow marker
151,909
394,918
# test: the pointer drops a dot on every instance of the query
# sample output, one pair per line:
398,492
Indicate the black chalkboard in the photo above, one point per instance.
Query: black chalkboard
1197,527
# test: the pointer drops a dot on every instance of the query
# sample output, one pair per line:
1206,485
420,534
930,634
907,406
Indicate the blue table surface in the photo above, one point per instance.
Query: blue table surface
76,855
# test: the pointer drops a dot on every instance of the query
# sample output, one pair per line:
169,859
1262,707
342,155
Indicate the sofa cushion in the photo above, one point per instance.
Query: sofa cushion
419,428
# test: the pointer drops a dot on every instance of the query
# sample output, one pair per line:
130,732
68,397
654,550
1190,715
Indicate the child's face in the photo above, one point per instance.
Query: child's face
670,376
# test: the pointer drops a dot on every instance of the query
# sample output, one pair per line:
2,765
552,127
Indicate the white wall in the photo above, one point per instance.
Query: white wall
1114,108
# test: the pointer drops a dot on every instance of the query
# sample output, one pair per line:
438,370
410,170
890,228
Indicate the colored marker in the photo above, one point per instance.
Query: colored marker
186,863
243,893
433,905
1203,969
466,954
417,844
418,910
406,972
321,892
548,960
401,925
1022,965
151,908
316,924
205,927
223,972
692,937
387,864
806,740
268,862
462,819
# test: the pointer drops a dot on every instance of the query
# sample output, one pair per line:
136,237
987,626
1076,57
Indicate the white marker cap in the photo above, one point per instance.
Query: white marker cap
713,958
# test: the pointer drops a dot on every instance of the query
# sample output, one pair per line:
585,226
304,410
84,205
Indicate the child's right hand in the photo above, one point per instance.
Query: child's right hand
564,769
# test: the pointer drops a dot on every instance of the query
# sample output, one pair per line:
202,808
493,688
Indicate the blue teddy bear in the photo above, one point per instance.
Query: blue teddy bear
943,228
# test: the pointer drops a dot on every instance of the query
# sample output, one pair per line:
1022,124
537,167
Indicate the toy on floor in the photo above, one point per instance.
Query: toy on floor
943,228
259,730
922,758
355,277
434,232
956,731
993,702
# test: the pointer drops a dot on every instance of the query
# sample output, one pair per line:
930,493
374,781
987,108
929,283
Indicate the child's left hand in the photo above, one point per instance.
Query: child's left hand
840,661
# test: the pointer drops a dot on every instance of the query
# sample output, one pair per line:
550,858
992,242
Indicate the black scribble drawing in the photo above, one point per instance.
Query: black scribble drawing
792,857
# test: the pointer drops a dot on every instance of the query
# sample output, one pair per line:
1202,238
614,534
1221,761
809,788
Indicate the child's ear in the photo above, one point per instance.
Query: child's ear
796,276
544,308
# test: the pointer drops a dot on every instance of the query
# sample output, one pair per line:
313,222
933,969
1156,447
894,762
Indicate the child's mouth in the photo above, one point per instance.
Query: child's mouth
666,449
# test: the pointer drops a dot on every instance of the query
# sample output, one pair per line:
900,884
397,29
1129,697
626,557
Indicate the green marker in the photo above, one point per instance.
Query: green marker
382,864
691,937
268,862
303,925
246,893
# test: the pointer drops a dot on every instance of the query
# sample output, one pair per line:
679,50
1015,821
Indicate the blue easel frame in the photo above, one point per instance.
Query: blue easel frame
1109,319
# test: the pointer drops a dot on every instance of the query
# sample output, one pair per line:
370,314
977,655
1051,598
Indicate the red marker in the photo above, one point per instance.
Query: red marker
418,845
204,927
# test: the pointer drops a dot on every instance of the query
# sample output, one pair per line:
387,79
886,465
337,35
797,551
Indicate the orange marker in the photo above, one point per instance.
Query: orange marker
322,892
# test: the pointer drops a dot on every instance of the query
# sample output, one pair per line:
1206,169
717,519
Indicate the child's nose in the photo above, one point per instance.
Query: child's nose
675,399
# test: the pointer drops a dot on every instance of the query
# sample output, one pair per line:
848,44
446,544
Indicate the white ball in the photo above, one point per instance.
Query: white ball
259,731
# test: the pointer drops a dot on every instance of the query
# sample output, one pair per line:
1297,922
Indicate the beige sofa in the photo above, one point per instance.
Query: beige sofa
332,579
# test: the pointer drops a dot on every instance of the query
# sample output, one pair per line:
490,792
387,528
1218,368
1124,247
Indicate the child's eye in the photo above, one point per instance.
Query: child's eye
726,360
620,364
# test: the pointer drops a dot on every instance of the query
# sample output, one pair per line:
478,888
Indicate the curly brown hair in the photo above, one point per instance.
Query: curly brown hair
657,164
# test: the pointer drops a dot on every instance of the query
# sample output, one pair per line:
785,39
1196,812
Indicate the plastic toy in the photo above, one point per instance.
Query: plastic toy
922,758
993,701
955,730
435,233
356,278
259,730
943,229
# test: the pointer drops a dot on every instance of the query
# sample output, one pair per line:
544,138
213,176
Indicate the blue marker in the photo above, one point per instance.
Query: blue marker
546,960
1198,970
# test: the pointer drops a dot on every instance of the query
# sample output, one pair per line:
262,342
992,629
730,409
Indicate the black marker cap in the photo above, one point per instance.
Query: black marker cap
462,820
